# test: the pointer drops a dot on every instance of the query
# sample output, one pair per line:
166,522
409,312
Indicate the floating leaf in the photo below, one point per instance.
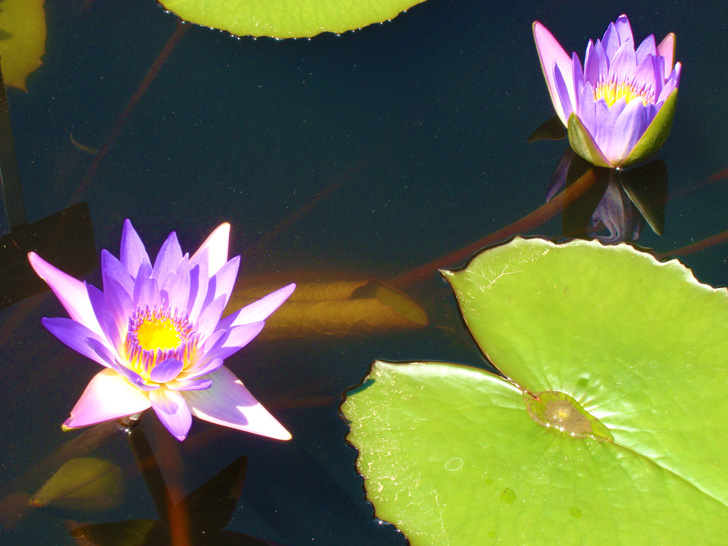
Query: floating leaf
133,532
612,430
551,129
287,18
335,308
22,39
86,484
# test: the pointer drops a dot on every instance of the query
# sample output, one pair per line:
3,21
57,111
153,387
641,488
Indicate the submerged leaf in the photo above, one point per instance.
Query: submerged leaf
204,512
86,484
287,18
335,308
551,129
134,532
22,39
455,455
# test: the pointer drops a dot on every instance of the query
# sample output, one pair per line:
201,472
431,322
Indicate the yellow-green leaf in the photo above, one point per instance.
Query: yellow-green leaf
22,39
287,18
86,484
334,308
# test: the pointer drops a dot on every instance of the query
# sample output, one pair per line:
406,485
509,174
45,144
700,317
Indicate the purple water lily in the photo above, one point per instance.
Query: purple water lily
618,108
157,330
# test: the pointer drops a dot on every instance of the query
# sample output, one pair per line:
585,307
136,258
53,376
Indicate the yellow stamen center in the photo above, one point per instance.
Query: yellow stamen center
155,335
158,333
612,90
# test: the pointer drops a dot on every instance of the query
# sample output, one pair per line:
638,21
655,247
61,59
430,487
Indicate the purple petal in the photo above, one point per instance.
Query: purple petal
666,49
106,353
164,294
166,370
221,284
176,290
199,282
77,336
167,260
146,289
119,304
590,136
226,342
610,41
564,91
587,108
133,377
112,269
578,83
214,250
237,338
629,127
227,402
70,292
601,57
216,339
624,30
189,384
645,74
258,310
107,396
606,118
223,281
96,298
109,326
209,318
646,49
551,55
624,63
670,85
659,67
199,371
114,333
172,410
591,63
132,254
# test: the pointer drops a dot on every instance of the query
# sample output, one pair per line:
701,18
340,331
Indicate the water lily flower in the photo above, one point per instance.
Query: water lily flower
157,330
618,108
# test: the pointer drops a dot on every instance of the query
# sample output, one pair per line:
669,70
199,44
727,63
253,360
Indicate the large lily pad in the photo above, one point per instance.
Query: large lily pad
22,39
287,18
456,455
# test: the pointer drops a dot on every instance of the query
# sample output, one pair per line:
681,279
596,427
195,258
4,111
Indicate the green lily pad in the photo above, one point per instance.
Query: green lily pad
22,39
287,18
610,431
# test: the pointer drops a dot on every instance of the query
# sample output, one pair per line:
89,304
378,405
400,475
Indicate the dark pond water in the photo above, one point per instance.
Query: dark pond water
362,155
